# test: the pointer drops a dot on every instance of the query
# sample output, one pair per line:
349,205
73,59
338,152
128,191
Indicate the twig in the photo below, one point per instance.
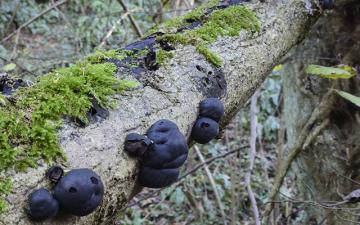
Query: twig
131,18
33,19
193,170
319,112
109,33
213,184
252,155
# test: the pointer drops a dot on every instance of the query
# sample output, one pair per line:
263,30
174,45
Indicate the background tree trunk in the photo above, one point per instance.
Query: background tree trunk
331,164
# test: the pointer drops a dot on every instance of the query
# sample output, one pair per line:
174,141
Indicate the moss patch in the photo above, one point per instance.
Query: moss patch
162,56
222,22
29,123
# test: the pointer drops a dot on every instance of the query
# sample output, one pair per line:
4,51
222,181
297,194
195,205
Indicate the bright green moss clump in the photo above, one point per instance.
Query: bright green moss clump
162,56
28,126
5,188
226,22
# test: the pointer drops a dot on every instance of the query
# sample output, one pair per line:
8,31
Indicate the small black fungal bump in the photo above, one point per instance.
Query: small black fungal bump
79,192
8,84
327,4
54,173
204,130
136,145
212,108
42,205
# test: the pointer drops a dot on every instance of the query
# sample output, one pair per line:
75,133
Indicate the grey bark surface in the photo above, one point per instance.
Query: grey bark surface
172,92
330,166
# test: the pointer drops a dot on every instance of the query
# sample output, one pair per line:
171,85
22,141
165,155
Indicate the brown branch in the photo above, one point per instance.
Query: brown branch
33,19
109,33
131,18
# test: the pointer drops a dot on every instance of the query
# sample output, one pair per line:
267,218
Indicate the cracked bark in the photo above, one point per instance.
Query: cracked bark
172,92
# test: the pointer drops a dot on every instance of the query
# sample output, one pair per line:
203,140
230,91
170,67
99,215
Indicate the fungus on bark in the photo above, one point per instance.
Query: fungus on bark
204,130
161,152
327,4
212,108
136,145
54,173
42,205
206,127
79,192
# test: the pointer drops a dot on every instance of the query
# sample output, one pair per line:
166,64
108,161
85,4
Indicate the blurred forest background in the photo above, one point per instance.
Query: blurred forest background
37,36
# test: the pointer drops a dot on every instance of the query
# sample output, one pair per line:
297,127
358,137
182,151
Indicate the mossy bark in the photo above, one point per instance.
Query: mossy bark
330,165
171,92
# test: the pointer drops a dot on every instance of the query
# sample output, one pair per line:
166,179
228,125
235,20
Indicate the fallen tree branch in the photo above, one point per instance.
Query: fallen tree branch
171,91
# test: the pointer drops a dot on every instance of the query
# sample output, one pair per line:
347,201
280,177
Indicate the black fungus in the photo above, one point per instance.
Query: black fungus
204,130
79,192
54,173
212,108
42,205
136,145
159,165
157,178
327,4
169,148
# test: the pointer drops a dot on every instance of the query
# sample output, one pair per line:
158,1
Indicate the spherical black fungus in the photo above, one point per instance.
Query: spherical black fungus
136,145
79,192
157,178
54,173
159,164
327,4
211,108
169,148
42,205
204,130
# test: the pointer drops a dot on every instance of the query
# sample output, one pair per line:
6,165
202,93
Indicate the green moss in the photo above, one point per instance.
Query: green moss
226,22
99,55
5,188
209,55
28,126
162,56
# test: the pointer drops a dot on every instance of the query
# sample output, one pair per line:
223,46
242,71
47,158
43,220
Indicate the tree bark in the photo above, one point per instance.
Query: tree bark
329,167
172,92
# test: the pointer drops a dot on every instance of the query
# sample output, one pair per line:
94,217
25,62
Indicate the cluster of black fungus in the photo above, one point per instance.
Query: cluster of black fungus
206,126
327,4
79,193
161,152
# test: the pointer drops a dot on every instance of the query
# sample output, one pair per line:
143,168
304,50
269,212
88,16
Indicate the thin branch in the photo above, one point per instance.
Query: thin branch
252,155
33,19
213,184
319,112
131,18
193,170
109,33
